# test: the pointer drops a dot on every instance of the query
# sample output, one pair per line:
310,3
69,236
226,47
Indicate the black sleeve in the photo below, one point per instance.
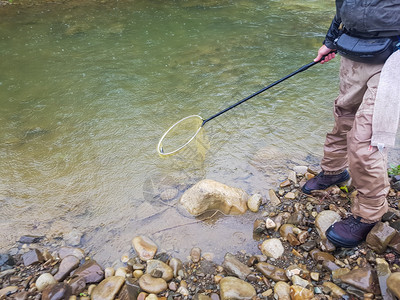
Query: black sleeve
333,33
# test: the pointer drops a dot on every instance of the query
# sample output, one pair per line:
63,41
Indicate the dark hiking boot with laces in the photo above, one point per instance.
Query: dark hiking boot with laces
322,181
348,233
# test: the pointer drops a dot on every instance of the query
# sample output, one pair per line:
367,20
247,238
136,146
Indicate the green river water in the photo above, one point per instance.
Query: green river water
88,88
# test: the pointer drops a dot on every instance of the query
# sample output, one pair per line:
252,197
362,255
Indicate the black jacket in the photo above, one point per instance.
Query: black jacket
365,18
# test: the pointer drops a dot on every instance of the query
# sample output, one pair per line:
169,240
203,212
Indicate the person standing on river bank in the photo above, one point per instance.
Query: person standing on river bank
349,145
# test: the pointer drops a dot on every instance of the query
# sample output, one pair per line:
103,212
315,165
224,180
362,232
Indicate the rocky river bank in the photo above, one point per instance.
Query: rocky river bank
295,260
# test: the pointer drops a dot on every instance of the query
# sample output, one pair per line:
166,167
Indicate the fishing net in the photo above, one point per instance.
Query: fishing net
180,135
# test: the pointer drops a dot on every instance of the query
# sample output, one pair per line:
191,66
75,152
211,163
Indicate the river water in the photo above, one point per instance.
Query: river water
88,88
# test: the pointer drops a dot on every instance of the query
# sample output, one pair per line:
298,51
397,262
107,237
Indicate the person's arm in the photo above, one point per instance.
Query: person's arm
328,45
333,33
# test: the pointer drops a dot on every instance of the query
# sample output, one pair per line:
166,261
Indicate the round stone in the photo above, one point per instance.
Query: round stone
152,285
272,248
44,281
169,194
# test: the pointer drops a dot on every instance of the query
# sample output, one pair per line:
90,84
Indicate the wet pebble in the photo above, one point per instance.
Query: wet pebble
362,278
108,288
282,290
272,248
57,291
273,198
380,236
254,202
234,267
157,265
393,283
144,247
195,254
68,264
152,285
272,272
300,293
325,219
234,288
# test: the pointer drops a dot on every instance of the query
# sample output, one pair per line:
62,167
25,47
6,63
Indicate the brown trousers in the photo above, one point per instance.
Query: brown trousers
348,145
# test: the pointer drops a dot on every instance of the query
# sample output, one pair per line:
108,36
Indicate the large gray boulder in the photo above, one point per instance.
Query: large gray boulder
208,195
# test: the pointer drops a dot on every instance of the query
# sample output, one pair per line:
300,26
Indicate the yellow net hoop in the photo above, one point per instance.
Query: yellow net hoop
193,118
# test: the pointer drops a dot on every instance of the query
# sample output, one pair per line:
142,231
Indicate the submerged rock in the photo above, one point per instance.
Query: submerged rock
195,254
91,271
212,195
66,251
73,238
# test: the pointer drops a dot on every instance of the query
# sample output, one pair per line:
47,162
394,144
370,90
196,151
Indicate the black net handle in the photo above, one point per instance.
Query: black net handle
303,68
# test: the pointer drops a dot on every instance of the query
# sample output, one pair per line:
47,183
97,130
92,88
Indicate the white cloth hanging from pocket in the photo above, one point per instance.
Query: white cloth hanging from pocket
386,116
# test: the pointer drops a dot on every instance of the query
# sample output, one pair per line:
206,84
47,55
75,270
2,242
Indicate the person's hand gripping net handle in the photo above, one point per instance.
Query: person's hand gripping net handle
325,54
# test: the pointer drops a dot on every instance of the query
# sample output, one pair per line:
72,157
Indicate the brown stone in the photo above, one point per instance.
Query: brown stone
362,278
67,265
91,271
380,236
336,291
300,293
152,285
234,267
108,288
273,198
133,288
395,243
78,285
57,292
292,239
326,259
21,295
272,272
